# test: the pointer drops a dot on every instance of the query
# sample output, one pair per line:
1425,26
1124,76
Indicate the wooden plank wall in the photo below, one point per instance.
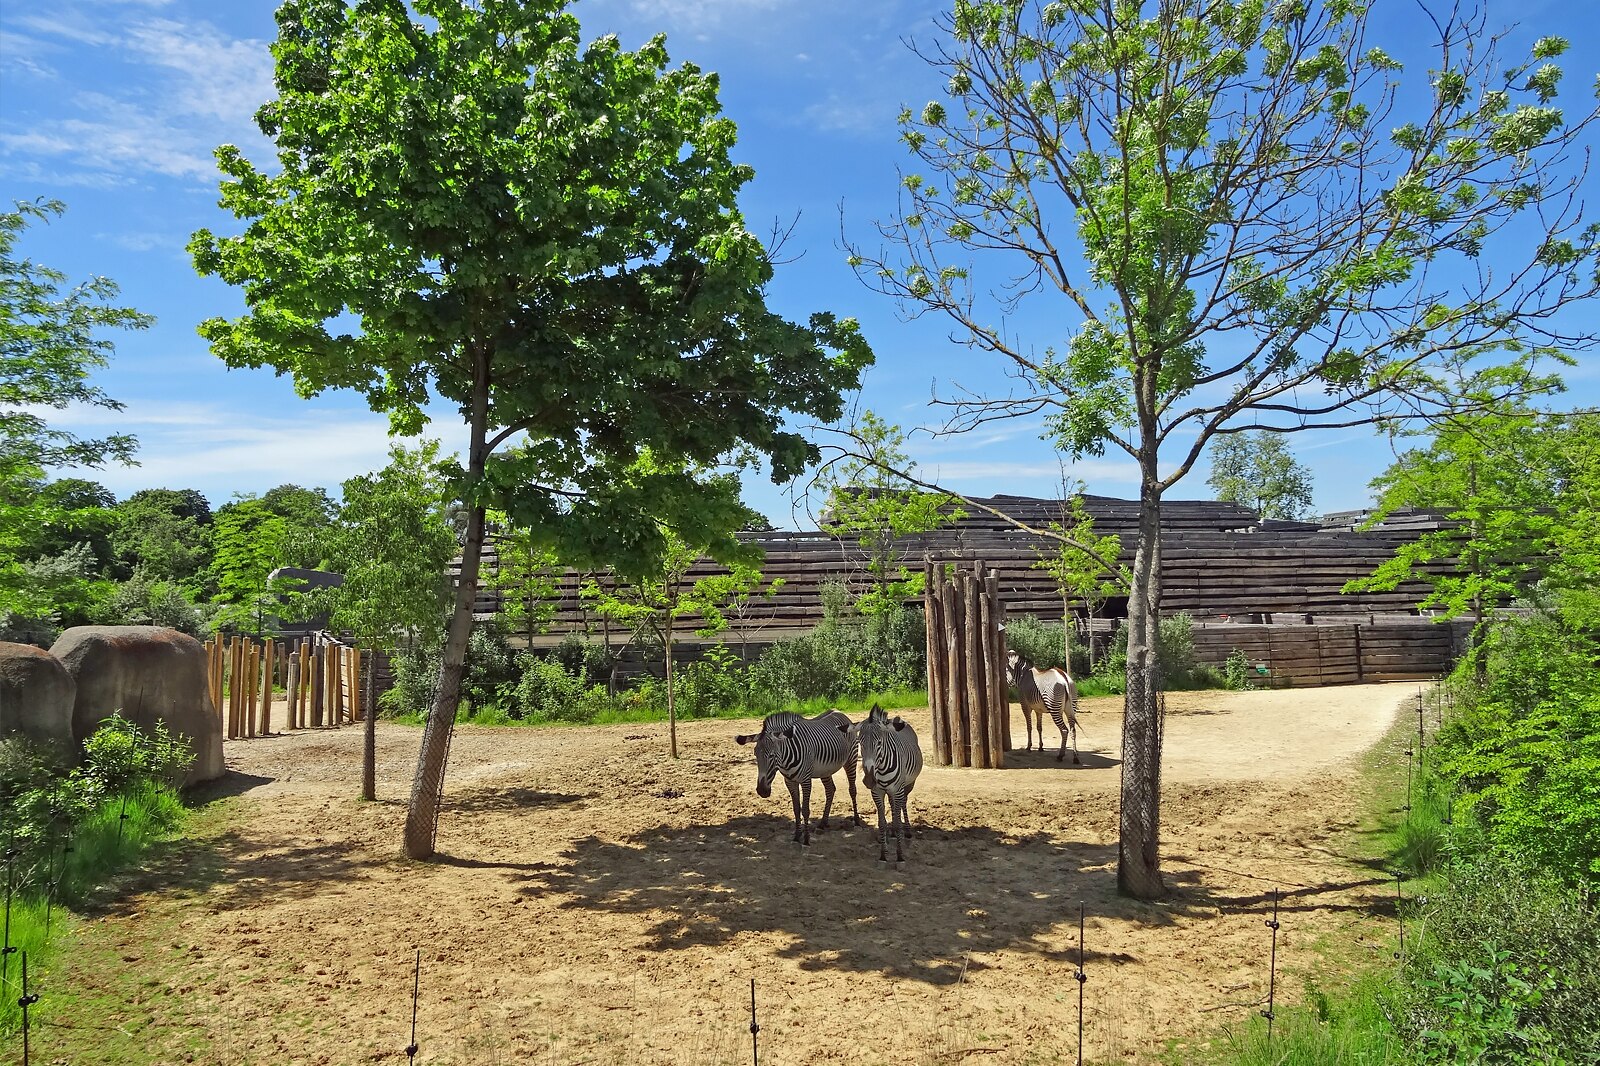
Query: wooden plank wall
1218,562
1382,649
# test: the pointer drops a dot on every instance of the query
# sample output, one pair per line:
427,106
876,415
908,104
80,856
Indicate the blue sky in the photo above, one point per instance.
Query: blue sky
114,106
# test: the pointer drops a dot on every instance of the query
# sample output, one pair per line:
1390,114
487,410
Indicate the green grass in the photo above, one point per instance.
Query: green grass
146,814
1350,1029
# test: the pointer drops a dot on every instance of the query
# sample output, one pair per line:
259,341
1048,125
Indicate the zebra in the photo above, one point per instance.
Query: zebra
891,759
1050,690
805,748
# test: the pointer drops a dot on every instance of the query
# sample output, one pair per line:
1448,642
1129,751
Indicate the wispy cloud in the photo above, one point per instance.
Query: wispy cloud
200,89
184,444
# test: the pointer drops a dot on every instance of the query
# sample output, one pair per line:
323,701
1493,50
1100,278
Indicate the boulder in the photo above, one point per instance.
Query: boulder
150,674
36,695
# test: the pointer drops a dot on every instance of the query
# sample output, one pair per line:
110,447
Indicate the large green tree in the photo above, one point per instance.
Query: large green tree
165,535
1258,470
51,343
470,202
1237,214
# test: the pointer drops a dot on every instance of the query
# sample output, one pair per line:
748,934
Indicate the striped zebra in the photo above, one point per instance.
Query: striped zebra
802,749
891,759
1050,690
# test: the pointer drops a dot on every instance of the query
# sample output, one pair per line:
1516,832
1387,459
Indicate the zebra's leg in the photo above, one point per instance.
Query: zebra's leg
901,826
1027,720
883,842
1062,725
850,776
794,797
805,811
1072,723
828,790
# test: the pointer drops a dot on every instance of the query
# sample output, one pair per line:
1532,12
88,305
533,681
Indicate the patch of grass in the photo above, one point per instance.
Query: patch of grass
1350,1029
111,838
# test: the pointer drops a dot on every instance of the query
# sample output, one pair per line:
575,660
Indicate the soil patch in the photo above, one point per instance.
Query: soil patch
598,902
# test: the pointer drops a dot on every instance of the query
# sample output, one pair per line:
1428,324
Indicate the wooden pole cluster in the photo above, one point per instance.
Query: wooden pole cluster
322,683
967,692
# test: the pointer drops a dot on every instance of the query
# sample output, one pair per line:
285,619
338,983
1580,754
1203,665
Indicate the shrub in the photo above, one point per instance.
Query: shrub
710,685
850,657
1237,671
1505,971
119,755
1175,654
416,681
1040,643
586,658
547,691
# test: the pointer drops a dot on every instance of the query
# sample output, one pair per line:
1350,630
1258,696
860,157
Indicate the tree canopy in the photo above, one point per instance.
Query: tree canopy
51,342
1258,471
471,203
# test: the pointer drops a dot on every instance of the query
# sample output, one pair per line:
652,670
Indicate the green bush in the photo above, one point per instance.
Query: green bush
712,684
1175,655
548,691
1505,969
416,682
842,657
1040,643
1237,671
586,658
1525,745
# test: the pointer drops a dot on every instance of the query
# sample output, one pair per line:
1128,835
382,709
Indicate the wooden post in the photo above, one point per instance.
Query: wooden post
268,674
247,707
291,684
333,702
995,703
235,681
932,575
369,741
977,678
1002,678
307,668
319,678
356,708
949,617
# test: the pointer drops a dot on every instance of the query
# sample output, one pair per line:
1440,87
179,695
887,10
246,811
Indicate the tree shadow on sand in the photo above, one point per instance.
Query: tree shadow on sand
966,890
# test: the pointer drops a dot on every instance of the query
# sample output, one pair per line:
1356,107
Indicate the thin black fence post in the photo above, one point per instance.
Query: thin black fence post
1411,762
1081,978
122,819
1271,1013
1399,918
26,1000
416,987
6,950
1421,743
755,1055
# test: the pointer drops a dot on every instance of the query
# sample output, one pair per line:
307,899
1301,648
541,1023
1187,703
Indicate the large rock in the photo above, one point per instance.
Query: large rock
36,695
150,674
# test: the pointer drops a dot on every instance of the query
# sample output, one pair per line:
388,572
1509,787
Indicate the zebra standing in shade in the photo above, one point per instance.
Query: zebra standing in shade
1050,690
802,749
891,759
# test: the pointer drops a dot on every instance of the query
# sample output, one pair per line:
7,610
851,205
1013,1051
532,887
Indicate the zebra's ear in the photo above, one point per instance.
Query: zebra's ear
744,739
788,732
898,723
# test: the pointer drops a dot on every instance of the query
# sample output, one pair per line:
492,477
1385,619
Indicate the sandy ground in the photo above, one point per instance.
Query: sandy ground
597,902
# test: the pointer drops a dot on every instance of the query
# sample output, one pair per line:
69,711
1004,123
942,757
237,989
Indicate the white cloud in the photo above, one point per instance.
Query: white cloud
201,89
703,15
221,451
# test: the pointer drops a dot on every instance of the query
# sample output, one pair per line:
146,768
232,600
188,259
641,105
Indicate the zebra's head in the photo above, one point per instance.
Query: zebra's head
872,735
766,756
1015,663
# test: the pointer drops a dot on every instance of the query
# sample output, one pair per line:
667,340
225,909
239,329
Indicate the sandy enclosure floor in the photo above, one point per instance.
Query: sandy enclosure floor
597,902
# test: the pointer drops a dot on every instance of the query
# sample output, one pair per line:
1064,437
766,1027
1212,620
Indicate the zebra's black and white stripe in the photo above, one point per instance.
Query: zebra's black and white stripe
891,759
803,749
1046,690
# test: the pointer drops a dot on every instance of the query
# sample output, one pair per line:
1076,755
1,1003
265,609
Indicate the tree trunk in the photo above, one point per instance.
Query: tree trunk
422,815
369,743
672,713
1139,853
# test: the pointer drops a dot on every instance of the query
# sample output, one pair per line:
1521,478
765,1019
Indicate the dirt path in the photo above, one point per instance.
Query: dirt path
597,902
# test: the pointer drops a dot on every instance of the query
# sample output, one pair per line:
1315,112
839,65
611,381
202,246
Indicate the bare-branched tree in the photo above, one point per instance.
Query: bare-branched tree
1245,216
